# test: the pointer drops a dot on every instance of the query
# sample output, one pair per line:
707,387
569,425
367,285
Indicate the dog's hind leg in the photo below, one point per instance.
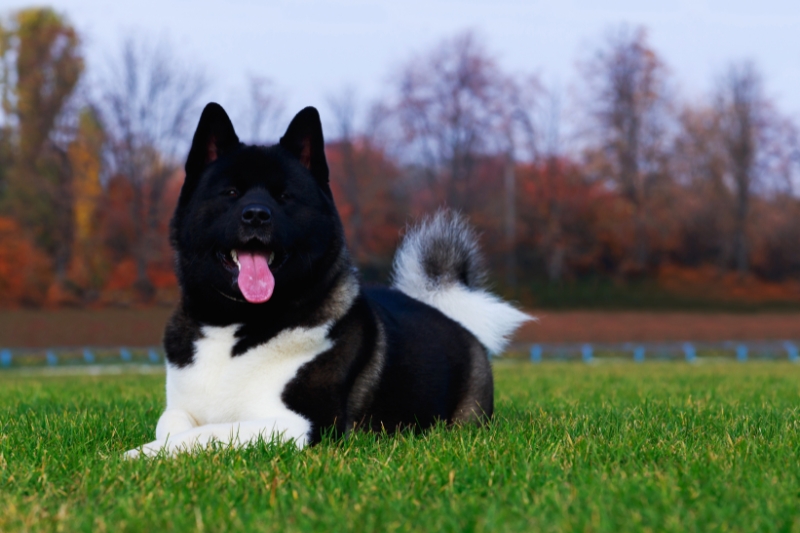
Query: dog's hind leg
477,401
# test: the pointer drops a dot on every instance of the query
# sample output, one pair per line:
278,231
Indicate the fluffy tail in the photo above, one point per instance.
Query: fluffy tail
439,263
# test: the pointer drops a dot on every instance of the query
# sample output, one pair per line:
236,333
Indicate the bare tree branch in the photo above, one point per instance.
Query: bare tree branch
148,103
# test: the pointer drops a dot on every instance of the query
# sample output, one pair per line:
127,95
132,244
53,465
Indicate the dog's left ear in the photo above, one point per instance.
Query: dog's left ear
303,139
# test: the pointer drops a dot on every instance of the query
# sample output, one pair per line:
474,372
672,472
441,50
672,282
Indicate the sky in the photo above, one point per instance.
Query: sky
312,49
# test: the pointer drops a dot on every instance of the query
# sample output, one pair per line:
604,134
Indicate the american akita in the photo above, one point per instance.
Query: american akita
275,338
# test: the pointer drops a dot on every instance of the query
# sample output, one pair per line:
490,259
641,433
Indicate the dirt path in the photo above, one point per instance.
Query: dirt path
72,327
580,326
143,327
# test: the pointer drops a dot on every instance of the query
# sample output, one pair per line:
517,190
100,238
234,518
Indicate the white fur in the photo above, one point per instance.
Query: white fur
235,400
483,314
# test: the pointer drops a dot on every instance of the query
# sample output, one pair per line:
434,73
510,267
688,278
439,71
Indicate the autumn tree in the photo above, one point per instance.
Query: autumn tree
699,166
149,102
452,106
85,154
552,177
40,65
628,106
740,106
343,110
365,182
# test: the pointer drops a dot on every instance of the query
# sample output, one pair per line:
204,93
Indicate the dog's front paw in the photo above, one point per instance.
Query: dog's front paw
151,449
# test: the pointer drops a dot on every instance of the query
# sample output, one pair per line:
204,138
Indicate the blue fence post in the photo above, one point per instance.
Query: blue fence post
586,353
125,354
88,356
689,352
154,358
5,357
638,354
536,353
792,351
52,360
741,353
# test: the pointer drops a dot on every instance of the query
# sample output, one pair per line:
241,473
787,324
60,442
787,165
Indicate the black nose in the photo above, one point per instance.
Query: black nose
256,215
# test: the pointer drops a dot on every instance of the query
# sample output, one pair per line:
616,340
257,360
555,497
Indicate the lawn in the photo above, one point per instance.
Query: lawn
606,447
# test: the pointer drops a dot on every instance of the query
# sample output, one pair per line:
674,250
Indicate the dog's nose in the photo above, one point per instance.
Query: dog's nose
256,215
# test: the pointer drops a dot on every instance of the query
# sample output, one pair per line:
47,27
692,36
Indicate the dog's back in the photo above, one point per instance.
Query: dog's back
438,322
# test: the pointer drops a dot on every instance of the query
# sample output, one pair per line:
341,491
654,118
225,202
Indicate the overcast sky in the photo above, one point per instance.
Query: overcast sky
314,48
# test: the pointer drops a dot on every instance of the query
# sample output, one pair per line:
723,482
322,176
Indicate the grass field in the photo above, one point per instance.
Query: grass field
611,447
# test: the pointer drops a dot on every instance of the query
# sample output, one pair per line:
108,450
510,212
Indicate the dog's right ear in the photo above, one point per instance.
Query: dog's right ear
213,138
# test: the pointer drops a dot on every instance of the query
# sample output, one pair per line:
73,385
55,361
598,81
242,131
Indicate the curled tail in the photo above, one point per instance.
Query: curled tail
439,263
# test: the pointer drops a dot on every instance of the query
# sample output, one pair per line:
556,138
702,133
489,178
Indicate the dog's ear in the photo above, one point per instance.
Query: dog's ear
303,139
213,138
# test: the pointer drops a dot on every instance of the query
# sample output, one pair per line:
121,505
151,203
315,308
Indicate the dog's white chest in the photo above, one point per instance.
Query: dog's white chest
218,388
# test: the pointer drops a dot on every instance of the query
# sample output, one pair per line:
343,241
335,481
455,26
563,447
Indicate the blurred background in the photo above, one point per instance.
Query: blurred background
622,157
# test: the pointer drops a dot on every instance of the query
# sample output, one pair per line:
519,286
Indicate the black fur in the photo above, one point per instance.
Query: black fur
395,361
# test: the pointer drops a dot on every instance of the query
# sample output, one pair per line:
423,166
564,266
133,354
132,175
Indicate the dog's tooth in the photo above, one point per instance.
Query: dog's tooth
235,258
271,258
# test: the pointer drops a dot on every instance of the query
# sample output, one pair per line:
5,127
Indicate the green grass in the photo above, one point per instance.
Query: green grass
611,447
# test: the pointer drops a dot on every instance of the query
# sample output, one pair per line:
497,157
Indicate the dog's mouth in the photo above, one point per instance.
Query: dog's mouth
253,271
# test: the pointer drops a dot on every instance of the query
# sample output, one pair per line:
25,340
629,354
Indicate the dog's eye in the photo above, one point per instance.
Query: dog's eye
231,192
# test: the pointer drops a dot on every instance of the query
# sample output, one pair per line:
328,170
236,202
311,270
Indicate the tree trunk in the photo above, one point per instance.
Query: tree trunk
143,286
64,205
740,255
510,223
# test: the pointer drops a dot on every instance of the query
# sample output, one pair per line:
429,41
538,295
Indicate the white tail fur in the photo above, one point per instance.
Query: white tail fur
439,264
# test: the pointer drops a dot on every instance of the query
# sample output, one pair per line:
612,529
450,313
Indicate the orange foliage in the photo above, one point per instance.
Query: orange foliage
569,225
365,190
25,271
709,282
123,276
163,277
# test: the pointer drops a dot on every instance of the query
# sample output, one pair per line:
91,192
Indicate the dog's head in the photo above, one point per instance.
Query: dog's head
254,225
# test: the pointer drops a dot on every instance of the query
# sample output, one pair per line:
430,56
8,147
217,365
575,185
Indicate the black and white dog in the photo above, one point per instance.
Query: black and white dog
275,338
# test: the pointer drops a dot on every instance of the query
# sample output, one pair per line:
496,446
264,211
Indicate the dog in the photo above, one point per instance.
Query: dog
275,338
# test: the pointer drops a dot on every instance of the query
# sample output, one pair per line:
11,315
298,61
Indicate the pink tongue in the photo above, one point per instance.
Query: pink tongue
255,280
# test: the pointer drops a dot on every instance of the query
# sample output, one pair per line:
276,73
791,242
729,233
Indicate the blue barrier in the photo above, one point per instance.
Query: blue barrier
638,354
791,351
587,353
62,356
689,352
536,353
741,353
